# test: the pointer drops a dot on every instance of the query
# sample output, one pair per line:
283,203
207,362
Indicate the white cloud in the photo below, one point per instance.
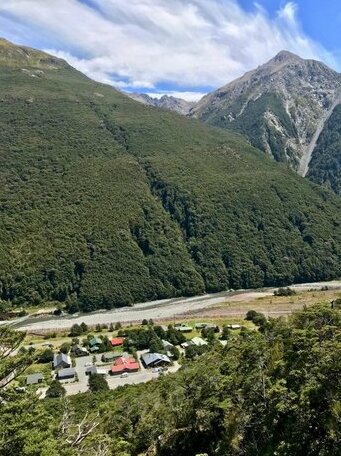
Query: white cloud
188,44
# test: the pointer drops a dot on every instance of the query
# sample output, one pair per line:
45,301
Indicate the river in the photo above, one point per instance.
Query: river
162,309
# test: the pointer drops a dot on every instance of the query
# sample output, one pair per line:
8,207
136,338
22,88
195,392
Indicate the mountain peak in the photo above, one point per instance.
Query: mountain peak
284,56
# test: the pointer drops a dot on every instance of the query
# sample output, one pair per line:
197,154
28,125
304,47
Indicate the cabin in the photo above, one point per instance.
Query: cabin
34,379
78,351
182,327
110,356
95,370
61,361
198,341
67,373
117,341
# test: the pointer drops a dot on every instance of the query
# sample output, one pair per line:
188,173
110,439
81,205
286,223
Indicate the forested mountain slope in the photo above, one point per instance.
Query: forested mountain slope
325,164
106,202
278,106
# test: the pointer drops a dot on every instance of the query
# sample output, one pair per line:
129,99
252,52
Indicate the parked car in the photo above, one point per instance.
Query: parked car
88,364
124,375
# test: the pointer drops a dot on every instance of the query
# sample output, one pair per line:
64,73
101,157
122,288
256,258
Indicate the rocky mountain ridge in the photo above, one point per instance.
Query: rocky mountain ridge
167,102
278,106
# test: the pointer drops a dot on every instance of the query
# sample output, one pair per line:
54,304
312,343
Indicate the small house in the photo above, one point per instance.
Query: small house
183,327
155,360
95,343
110,356
186,344
234,326
198,341
34,379
117,341
205,325
167,345
78,351
95,370
64,374
61,361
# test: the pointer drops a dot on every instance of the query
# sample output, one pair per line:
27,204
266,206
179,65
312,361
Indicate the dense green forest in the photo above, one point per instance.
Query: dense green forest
253,125
105,202
275,391
325,164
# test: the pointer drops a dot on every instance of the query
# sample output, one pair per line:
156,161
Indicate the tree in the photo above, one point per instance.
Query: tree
46,356
156,345
144,322
98,328
284,292
76,330
250,315
160,332
175,352
65,348
56,389
97,383
11,364
84,327
118,326
225,333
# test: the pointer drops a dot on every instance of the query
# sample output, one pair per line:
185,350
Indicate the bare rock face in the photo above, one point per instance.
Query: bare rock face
279,106
166,102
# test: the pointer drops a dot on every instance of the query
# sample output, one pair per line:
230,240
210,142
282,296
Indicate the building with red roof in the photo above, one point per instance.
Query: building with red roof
117,341
124,365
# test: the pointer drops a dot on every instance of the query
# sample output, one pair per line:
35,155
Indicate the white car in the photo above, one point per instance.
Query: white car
124,375
88,364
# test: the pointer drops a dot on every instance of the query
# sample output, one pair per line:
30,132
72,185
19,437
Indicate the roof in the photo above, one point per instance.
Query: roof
183,327
58,358
167,344
112,355
205,325
186,344
68,372
95,370
198,341
78,347
115,341
95,341
234,326
34,378
125,364
154,358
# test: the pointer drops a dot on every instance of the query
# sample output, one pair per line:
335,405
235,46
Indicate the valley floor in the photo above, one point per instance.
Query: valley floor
210,304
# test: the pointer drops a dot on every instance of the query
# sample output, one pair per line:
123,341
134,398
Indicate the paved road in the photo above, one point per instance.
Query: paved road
163,309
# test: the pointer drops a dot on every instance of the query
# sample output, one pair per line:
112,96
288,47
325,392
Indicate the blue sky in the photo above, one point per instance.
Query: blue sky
180,47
